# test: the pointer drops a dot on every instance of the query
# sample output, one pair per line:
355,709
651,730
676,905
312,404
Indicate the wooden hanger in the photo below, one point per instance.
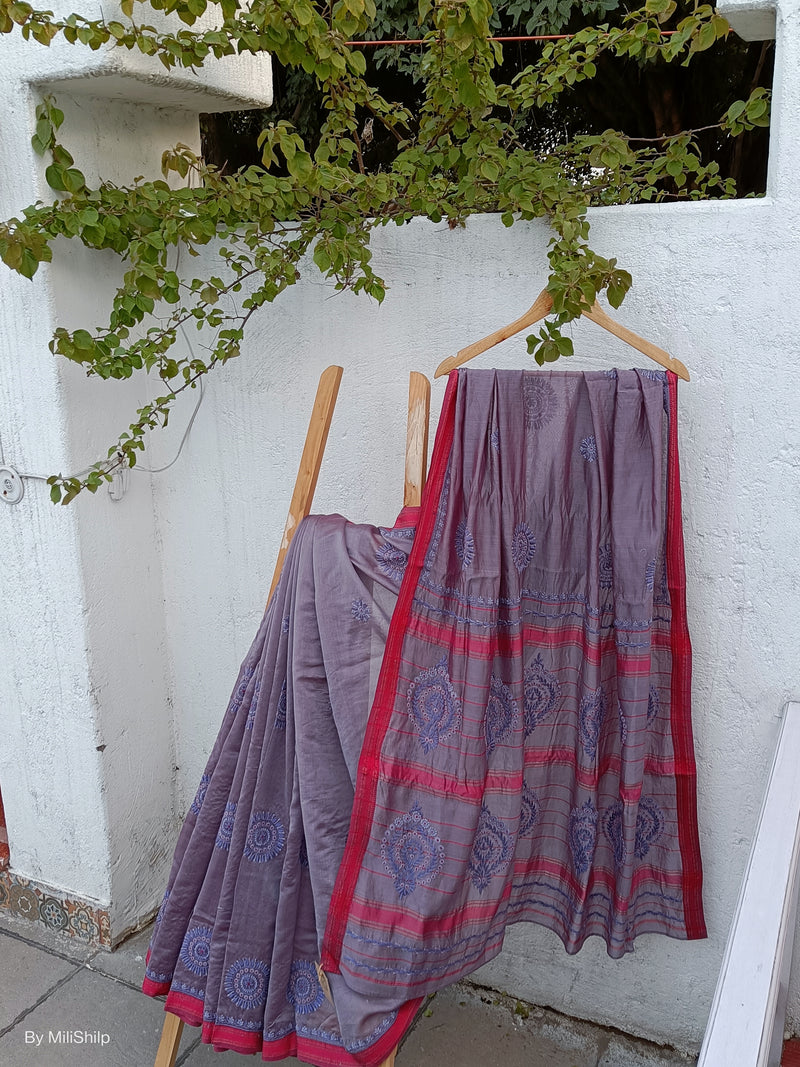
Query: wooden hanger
542,307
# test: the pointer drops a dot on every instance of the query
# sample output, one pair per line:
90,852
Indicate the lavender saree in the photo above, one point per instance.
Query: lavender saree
527,756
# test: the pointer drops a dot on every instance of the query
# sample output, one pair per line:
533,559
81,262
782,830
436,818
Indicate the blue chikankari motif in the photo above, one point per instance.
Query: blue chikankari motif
280,712
464,544
583,836
653,375
433,705
302,857
285,625
610,373
392,561
196,949
163,907
591,716
491,849
412,851
540,402
251,712
623,725
529,813
589,448
501,713
653,704
225,832
649,826
605,567
650,575
265,837
304,992
241,689
614,830
360,610
523,546
494,437
200,795
246,983
542,694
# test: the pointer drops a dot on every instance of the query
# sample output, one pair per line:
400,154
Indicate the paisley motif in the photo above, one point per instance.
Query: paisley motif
583,836
392,561
523,546
592,713
491,850
529,813
614,830
412,852
649,826
501,714
464,544
542,694
433,705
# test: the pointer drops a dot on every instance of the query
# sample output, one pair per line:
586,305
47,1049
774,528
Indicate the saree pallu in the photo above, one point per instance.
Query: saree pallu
529,752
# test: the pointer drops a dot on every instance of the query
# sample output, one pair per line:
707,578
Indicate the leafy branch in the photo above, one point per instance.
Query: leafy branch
457,155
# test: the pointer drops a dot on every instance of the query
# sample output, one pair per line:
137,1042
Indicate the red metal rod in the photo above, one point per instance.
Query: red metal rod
537,37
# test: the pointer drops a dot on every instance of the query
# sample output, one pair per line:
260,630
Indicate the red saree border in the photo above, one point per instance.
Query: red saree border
681,688
231,1039
383,704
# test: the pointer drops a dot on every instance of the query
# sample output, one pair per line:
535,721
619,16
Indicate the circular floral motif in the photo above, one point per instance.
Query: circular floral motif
196,950
583,836
529,812
491,850
23,901
54,914
614,830
540,402
495,439
163,907
246,983
501,713
82,924
225,832
392,561
265,837
589,448
412,851
200,795
249,722
653,704
433,705
285,624
360,611
649,826
523,546
542,694
464,544
304,992
241,689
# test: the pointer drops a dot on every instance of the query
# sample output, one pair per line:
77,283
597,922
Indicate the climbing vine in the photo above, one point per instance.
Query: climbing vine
459,154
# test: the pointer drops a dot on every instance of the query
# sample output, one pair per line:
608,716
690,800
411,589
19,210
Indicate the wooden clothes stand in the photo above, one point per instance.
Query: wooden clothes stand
419,397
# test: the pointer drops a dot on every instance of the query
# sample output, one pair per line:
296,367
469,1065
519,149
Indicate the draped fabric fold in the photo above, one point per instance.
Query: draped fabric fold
521,642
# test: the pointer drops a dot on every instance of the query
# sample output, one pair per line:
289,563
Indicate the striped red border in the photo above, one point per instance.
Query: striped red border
681,688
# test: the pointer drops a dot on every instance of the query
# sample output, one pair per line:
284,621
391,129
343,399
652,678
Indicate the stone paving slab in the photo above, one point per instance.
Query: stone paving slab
127,961
26,975
125,1027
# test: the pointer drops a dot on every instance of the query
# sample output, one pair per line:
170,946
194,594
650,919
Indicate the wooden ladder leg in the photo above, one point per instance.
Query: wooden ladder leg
310,461
419,409
170,1040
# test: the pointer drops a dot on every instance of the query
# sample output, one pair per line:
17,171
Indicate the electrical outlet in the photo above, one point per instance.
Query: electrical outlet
12,487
